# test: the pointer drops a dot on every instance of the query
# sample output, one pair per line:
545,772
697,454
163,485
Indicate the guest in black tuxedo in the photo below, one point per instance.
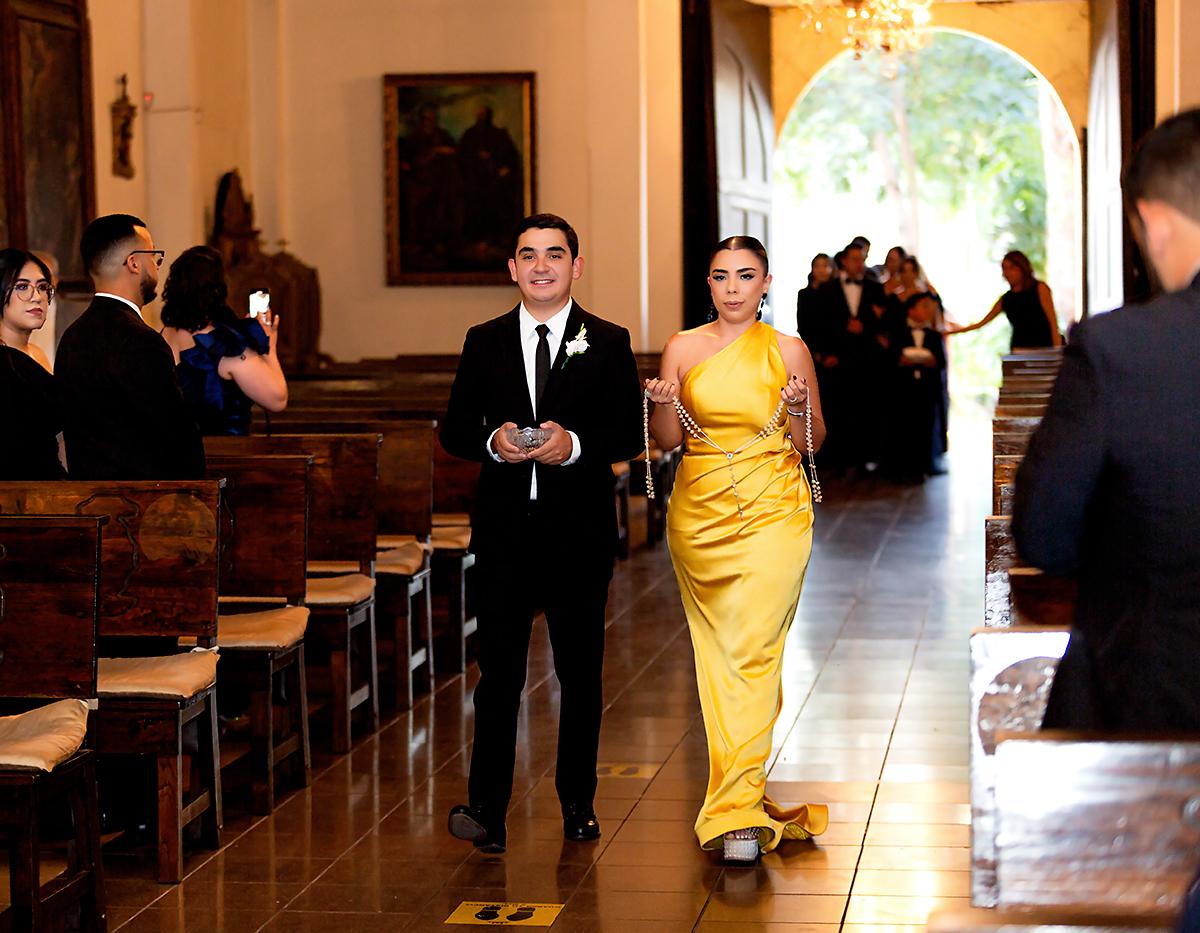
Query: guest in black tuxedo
918,353
124,416
1109,486
853,360
544,528
31,419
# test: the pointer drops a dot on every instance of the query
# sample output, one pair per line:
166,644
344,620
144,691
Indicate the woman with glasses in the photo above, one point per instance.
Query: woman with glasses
27,298
28,399
225,363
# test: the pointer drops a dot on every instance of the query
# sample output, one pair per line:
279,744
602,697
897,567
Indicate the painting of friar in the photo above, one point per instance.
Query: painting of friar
458,169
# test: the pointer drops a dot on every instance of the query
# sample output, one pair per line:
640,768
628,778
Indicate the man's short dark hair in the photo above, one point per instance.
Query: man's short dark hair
854,244
547,222
861,241
1166,165
103,235
913,300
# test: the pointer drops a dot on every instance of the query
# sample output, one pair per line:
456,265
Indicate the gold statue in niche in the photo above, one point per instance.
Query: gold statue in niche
123,114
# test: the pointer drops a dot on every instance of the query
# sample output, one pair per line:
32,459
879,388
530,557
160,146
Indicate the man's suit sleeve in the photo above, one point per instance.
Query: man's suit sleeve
465,432
149,371
1062,466
615,433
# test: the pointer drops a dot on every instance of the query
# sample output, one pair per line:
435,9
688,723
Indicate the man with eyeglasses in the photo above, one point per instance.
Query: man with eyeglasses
124,416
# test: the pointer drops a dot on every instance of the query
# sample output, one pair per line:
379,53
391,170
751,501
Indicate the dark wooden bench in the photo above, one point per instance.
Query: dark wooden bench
1016,594
158,581
1046,920
1100,822
1011,673
264,553
49,581
340,649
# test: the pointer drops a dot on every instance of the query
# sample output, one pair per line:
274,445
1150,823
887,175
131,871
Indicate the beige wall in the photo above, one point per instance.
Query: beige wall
1177,24
607,133
117,50
1051,35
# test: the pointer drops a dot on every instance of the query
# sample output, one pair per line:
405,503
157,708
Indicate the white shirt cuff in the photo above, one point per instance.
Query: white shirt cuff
491,452
575,451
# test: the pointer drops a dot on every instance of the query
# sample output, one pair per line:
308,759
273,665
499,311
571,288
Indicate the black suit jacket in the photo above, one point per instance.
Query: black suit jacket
596,394
833,338
123,414
1110,490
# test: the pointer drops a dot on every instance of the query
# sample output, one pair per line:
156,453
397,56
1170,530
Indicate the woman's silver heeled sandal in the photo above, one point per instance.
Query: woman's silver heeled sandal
741,845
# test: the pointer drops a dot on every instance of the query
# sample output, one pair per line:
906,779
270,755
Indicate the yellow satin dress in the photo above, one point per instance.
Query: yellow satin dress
740,577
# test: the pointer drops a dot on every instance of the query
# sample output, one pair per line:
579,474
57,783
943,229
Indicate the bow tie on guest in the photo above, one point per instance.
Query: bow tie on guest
853,281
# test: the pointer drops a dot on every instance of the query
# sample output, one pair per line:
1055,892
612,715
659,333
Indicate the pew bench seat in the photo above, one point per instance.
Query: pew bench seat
268,628
451,519
43,738
451,537
342,590
393,542
174,676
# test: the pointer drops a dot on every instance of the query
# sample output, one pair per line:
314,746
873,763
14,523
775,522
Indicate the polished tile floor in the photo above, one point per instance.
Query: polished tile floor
874,723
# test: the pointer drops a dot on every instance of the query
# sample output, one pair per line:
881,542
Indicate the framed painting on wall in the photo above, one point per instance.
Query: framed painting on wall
458,153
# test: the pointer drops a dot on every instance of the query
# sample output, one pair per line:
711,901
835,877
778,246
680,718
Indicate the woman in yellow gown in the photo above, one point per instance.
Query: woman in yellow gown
739,528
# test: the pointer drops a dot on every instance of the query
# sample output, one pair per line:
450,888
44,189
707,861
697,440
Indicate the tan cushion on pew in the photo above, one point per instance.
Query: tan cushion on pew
271,628
393,542
43,737
455,519
451,538
330,567
175,675
346,590
405,561
621,469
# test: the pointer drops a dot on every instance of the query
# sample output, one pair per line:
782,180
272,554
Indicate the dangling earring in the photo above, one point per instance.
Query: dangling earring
712,311
761,304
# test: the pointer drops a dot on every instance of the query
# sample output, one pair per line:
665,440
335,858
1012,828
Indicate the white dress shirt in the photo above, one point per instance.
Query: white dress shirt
853,292
136,309
557,327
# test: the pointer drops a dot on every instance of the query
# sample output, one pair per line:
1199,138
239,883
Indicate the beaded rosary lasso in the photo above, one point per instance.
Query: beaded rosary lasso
691,427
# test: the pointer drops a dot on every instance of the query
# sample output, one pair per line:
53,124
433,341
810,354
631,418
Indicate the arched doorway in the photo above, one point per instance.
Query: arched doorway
958,152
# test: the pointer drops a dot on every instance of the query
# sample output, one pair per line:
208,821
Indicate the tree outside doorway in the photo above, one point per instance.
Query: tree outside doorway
959,152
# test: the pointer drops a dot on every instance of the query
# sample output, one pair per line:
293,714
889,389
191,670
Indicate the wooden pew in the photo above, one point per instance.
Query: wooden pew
158,577
342,528
264,553
1015,594
454,484
1094,821
1046,920
1011,673
405,504
49,578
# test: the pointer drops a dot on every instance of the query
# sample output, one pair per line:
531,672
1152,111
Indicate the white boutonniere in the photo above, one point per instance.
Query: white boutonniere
578,346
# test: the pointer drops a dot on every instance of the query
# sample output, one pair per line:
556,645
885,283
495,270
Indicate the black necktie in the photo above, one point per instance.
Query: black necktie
541,365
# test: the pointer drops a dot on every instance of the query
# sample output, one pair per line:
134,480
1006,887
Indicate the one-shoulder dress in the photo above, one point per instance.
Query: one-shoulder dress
740,575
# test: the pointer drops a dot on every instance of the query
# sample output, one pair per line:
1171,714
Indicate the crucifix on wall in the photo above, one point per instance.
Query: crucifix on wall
123,114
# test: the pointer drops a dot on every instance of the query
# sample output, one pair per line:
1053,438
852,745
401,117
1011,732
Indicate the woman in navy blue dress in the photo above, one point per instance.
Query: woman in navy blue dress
225,363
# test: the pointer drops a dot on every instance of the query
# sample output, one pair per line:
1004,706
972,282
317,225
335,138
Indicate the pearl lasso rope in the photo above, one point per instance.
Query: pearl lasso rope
690,425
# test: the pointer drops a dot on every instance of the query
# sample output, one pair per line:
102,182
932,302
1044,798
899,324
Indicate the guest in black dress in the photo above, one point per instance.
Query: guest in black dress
27,392
1028,305
224,363
808,301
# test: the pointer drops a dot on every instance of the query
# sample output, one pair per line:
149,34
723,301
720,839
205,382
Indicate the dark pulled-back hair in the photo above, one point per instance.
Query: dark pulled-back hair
1021,261
547,222
753,244
12,261
813,263
1166,165
103,235
195,294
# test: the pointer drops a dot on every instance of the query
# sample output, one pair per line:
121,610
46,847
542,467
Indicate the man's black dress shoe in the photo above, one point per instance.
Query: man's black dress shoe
469,823
580,823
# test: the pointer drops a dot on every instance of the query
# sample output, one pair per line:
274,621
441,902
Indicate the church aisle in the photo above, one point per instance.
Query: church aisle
874,722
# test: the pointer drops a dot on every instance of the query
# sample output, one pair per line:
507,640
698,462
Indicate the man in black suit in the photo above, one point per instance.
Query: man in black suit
124,416
544,528
854,361
1109,487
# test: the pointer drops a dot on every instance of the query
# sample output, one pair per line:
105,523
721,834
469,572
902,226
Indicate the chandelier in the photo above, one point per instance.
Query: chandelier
891,27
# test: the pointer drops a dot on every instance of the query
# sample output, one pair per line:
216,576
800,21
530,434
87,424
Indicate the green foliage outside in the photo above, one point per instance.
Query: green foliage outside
956,127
